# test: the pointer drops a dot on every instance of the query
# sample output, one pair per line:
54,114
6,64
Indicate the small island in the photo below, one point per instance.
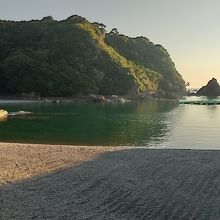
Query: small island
212,89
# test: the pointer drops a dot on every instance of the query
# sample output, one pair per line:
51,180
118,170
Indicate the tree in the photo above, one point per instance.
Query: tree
114,31
187,84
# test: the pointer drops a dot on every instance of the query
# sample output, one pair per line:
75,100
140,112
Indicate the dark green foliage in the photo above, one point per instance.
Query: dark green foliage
70,57
155,57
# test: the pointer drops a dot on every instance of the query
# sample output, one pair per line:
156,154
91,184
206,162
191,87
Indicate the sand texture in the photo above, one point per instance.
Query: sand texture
100,183
20,161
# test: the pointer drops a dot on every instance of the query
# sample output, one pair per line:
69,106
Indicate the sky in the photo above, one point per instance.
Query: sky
188,29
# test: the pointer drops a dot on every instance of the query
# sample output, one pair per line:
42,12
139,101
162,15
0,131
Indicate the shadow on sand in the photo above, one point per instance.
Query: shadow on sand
127,184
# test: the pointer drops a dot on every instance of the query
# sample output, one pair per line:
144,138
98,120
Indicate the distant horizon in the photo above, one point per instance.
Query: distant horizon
187,30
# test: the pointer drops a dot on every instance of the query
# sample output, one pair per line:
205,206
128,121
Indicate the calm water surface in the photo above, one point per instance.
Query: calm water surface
163,124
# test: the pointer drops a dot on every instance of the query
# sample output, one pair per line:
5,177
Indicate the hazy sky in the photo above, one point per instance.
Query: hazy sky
188,29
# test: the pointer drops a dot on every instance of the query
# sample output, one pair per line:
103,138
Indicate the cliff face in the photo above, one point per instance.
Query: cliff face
74,56
211,89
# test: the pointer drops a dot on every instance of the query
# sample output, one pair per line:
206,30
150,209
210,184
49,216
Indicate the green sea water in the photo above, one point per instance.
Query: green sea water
163,124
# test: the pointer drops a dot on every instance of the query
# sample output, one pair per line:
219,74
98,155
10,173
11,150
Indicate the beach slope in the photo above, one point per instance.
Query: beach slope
58,182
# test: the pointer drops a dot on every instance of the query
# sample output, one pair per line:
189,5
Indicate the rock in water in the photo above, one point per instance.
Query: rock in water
3,114
211,89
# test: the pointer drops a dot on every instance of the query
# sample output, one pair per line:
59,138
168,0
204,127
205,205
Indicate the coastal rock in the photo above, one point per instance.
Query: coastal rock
211,89
113,98
3,114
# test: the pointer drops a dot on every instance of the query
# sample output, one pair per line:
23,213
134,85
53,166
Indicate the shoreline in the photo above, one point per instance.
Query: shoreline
119,147
94,98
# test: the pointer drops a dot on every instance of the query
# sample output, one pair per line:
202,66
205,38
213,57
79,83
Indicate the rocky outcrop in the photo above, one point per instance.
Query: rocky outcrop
211,89
3,114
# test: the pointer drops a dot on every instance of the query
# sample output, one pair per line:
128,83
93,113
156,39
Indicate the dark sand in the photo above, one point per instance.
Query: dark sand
100,183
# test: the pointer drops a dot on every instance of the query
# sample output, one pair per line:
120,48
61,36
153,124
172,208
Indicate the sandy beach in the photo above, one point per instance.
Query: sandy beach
22,161
70,182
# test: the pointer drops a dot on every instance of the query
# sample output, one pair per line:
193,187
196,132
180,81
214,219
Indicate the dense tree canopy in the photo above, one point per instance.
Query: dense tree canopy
141,51
74,56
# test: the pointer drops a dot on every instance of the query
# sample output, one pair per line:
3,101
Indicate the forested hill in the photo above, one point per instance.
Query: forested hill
74,56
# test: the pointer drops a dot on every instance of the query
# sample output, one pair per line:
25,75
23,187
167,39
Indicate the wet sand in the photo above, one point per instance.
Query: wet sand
63,182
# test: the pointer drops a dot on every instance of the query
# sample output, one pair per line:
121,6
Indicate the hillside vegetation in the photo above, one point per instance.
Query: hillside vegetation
74,56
